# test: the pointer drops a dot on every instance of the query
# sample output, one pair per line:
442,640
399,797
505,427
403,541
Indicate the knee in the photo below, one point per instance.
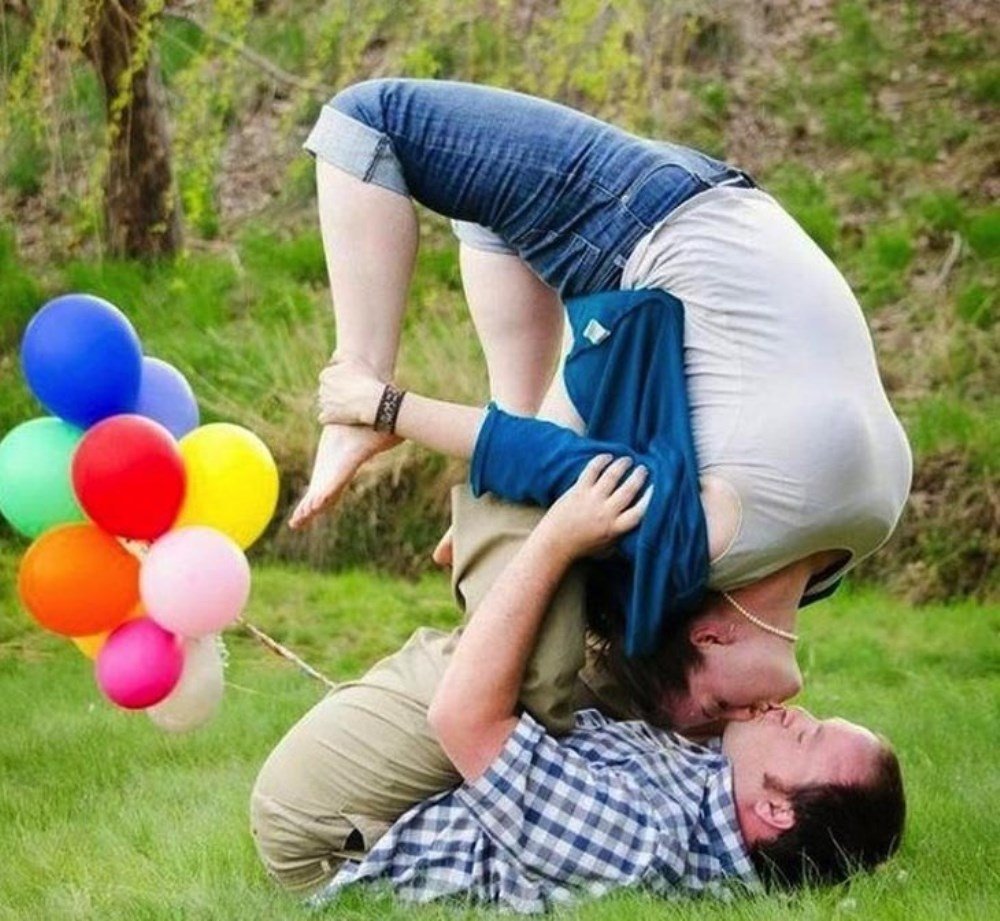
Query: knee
289,851
283,834
365,101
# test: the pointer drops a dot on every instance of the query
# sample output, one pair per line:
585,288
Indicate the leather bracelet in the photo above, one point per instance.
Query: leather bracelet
388,409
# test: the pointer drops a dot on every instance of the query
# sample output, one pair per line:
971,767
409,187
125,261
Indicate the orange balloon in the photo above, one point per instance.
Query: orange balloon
91,644
76,580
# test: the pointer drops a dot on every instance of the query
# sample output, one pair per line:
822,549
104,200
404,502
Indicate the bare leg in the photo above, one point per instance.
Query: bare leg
519,320
557,406
370,241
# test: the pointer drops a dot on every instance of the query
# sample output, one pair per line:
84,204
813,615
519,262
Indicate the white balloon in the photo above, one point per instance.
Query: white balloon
198,693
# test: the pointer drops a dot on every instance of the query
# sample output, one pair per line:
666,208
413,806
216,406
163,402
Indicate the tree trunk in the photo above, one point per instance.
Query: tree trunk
140,205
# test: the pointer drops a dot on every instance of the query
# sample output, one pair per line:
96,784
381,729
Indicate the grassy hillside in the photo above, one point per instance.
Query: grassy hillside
874,123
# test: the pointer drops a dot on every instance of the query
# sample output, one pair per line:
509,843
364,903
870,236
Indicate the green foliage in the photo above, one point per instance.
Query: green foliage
207,92
715,97
941,424
300,257
169,299
283,40
942,211
805,196
983,232
881,262
842,87
862,189
179,45
25,162
20,293
977,304
983,85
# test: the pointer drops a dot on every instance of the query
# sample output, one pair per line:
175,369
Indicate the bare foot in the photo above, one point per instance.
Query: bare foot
341,452
443,553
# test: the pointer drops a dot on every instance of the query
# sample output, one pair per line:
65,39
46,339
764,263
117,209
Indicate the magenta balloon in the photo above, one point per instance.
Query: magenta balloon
194,581
139,665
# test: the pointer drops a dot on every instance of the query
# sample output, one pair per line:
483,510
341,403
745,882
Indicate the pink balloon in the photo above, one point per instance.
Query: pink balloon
139,665
194,581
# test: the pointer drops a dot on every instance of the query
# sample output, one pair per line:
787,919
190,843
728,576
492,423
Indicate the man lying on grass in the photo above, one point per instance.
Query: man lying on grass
539,822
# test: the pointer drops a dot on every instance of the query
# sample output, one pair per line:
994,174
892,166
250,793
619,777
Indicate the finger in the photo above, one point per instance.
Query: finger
330,416
631,517
613,473
444,551
627,491
595,467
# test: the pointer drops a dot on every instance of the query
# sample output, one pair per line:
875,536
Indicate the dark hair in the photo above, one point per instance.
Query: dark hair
839,828
648,681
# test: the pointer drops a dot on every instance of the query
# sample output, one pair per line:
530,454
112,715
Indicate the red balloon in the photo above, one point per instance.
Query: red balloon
129,476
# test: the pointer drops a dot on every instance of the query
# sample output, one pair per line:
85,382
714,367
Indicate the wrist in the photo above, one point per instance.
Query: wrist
368,404
553,543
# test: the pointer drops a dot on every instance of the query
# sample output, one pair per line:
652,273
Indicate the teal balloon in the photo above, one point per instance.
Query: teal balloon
36,486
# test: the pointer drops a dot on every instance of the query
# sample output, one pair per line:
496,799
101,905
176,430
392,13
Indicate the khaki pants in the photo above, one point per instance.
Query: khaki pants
365,754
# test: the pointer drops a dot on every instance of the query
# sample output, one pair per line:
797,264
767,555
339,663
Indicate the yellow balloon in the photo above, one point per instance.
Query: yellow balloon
232,482
92,644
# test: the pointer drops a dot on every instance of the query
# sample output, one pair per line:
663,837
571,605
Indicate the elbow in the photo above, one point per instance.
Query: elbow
436,717
459,737
442,718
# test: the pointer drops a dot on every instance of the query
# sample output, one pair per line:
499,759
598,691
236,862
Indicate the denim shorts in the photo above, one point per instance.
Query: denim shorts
569,194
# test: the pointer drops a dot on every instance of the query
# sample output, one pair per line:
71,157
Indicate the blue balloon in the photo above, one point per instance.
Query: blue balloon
82,359
167,397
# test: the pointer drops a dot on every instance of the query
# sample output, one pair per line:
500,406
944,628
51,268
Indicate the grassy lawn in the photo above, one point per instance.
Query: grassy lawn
102,816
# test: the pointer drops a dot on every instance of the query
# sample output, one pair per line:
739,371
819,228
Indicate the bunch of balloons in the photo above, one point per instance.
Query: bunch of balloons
139,516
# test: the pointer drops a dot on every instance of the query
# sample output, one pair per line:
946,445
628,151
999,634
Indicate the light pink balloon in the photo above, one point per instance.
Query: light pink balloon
194,581
139,665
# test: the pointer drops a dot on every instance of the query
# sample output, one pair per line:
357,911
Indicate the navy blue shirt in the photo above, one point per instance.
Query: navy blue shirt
625,375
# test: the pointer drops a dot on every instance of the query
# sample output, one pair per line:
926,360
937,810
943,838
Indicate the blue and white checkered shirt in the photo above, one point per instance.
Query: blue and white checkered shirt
609,806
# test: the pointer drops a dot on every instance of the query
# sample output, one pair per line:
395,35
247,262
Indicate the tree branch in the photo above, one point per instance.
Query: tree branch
258,60
949,262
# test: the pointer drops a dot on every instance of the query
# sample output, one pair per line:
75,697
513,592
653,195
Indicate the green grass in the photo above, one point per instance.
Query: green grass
102,816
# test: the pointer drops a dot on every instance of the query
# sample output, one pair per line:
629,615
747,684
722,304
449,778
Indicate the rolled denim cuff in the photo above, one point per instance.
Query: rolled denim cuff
356,148
482,238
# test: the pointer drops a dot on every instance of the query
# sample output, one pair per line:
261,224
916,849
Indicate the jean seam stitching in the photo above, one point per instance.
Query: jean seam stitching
376,157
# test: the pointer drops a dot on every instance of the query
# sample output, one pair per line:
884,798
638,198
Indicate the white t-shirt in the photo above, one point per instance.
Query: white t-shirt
786,402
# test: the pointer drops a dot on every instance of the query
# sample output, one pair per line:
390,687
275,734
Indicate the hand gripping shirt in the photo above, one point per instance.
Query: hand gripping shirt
611,805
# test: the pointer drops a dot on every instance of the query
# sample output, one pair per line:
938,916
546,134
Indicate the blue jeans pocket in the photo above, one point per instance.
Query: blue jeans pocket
659,190
564,251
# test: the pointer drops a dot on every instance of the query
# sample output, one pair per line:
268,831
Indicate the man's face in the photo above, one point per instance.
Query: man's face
787,747
737,678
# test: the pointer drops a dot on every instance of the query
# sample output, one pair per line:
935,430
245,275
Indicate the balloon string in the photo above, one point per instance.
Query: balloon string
286,653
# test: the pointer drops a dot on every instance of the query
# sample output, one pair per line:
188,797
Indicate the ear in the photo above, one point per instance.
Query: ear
713,632
775,811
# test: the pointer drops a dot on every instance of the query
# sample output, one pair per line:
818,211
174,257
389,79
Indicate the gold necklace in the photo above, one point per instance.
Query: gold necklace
757,622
